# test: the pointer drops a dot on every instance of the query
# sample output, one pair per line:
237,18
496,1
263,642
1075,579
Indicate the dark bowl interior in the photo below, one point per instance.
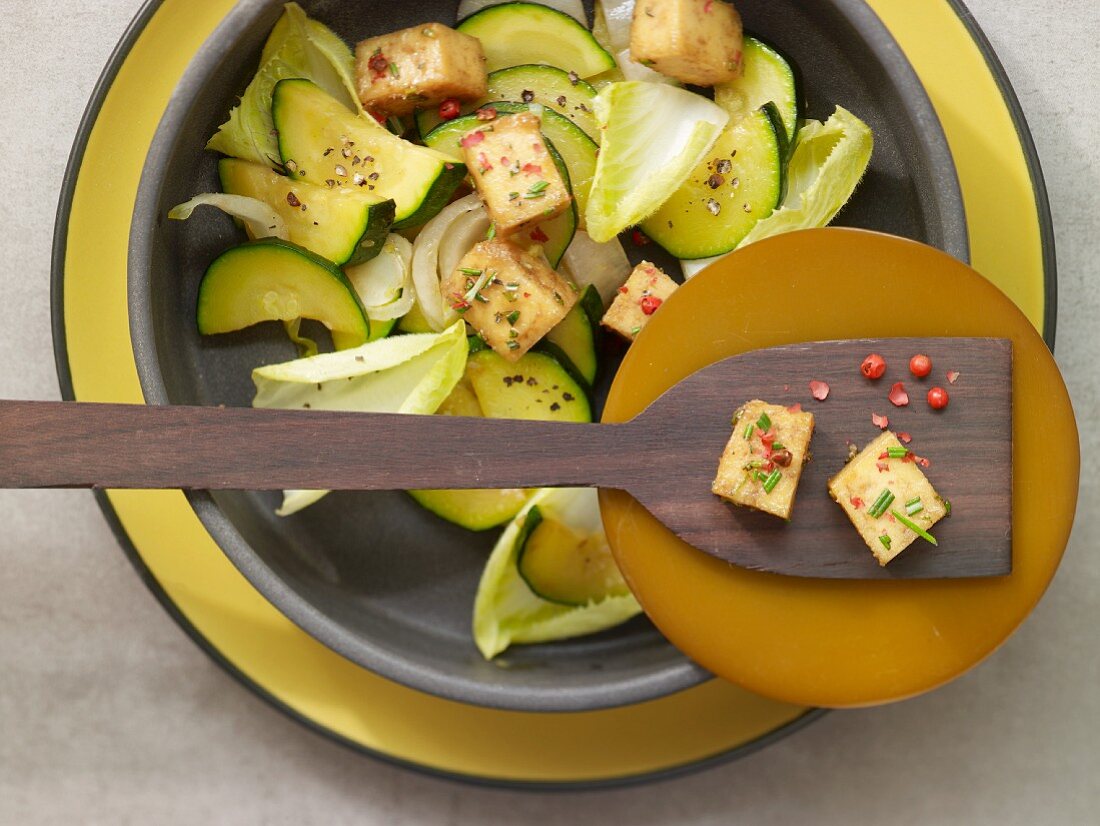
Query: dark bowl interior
372,575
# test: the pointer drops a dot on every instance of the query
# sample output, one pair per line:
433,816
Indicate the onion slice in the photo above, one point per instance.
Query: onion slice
425,260
574,8
604,266
617,16
384,284
260,219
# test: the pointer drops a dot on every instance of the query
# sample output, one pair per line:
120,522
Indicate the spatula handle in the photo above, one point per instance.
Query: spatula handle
82,445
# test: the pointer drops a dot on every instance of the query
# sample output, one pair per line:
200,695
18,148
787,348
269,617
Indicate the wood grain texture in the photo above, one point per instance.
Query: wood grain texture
668,467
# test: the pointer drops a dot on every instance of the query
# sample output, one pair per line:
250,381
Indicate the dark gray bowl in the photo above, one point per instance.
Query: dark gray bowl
373,576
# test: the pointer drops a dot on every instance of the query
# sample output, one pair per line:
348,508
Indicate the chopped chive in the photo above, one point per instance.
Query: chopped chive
915,528
475,291
635,330
513,345
772,480
914,509
885,540
947,504
748,431
764,422
778,446
512,196
513,316
492,233
760,476
884,500
470,271
897,452
536,188
396,72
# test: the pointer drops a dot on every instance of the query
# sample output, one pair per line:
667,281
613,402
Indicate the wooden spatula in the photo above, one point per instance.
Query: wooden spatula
666,457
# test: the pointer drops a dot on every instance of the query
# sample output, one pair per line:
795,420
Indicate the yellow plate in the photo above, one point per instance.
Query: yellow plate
217,606
844,643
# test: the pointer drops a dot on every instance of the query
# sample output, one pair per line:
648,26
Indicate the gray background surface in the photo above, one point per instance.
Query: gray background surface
109,714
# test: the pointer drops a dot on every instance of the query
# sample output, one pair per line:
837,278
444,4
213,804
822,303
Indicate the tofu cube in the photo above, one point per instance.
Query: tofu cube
418,67
695,41
858,486
638,299
514,173
510,297
763,460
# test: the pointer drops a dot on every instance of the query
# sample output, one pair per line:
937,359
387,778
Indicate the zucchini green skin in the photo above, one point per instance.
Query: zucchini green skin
311,125
576,148
515,34
739,182
347,227
275,280
546,85
575,340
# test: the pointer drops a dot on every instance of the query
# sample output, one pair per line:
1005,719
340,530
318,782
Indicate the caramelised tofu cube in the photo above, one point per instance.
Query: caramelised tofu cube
514,173
696,41
763,459
510,297
638,299
419,67
882,486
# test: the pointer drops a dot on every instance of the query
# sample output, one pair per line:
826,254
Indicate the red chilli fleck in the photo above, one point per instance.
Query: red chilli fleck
532,169
820,390
650,304
795,408
639,238
880,421
952,376
857,503
882,467
708,6
473,139
487,113
905,438
539,236
898,397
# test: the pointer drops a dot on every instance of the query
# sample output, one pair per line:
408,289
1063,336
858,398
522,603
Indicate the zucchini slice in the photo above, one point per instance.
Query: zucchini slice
549,86
346,226
276,280
535,387
566,567
514,34
474,510
739,182
323,143
767,76
572,143
575,340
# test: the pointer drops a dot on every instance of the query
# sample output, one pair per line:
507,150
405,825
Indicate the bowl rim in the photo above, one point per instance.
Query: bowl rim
678,676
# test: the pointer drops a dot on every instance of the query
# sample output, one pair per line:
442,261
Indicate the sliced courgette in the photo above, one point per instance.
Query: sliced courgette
276,280
475,510
548,86
572,143
323,143
566,567
514,34
535,387
739,183
767,76
575,339
346,226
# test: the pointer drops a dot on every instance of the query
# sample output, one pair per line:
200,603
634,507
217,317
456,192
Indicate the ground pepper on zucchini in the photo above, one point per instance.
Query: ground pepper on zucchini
471,266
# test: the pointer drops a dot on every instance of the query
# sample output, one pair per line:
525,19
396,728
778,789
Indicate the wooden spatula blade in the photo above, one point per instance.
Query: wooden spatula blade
968,445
